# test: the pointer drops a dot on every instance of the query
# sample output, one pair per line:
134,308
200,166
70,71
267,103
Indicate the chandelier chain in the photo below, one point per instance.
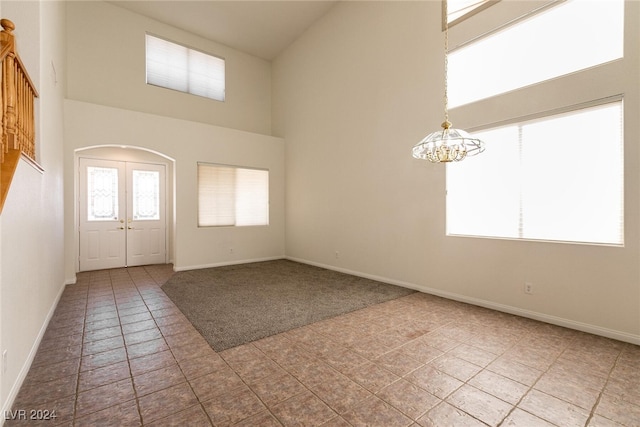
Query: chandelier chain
447,145
446,62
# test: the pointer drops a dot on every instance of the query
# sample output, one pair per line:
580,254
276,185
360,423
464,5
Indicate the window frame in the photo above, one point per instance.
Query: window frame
529,120
555,96
235,167
189,49
530,15
472,11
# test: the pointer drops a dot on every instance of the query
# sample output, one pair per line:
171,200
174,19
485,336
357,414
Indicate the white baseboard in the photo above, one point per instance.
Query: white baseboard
222,264
554,320
15,388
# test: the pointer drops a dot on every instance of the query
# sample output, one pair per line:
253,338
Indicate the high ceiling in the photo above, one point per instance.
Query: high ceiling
260,28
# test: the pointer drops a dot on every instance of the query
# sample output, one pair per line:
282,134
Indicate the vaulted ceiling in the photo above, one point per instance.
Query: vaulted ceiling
260,28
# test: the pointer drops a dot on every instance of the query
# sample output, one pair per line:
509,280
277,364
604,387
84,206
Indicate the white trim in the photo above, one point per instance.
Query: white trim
224,263
502,26
15,388
567,109
471,10
554,320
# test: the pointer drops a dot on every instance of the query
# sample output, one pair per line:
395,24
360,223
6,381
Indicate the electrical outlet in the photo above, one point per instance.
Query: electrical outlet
4,362
337,254
528,288
230,250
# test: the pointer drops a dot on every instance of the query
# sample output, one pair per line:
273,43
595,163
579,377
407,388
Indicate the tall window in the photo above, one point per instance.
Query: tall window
177,67
553,165
544,179
232,196
548,44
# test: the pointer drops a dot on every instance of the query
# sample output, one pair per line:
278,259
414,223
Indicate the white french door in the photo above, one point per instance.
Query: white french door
122,214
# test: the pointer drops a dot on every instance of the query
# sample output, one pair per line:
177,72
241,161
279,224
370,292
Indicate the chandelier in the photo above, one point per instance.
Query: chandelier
448,144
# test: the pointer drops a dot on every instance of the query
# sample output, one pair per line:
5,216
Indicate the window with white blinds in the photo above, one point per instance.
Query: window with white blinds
557,178
232,196
548,44
177,67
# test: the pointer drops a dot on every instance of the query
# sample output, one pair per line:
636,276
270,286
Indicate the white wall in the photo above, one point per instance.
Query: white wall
31,224
187,143
351,98
106,63
109,103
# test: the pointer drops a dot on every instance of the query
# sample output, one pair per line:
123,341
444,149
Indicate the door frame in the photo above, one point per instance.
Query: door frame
127,154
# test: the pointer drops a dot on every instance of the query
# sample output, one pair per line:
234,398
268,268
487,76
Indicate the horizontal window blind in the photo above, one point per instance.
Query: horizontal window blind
232,196
252,197
559,178
177,67
548,44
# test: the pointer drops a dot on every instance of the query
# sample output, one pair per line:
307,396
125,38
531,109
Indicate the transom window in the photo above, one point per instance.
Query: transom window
548,44
178,67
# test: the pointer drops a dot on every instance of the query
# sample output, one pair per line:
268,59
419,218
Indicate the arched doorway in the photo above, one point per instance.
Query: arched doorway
124,207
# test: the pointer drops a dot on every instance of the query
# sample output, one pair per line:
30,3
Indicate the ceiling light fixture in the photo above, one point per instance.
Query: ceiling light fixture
447,145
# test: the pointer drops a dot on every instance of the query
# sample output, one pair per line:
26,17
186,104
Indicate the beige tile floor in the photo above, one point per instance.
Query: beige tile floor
117,352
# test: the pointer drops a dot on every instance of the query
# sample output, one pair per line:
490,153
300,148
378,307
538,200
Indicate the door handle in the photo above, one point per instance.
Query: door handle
120,228
129,227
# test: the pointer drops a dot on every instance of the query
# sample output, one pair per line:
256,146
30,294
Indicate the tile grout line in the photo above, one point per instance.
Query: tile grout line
347,347
82,347
532,337
126,350
459,343
288,398
423,364
173,355
523,394
597,402
84,328
532,387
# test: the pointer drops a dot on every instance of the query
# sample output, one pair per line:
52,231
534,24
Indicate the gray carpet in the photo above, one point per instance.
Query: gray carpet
233,305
